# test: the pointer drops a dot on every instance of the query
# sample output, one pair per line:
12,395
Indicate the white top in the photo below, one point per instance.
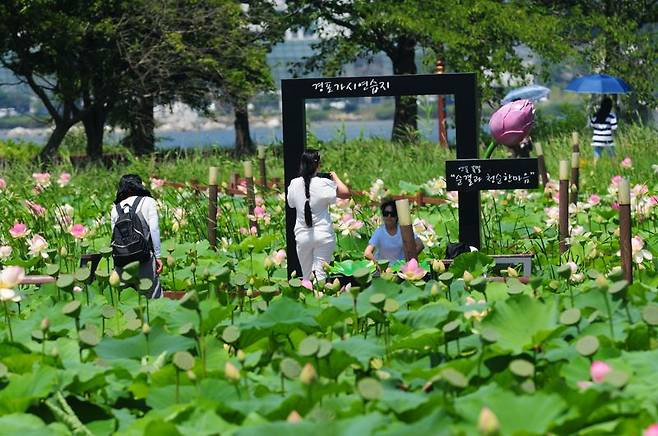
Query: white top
387,246
322,194
149,211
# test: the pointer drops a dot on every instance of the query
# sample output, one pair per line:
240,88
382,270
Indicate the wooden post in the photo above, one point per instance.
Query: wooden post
406,231
575,170
235,180
261,166
251,195
564,205
212,207
575,148
542,164
625,229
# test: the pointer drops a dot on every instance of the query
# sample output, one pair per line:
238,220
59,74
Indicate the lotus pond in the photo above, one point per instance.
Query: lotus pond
419,349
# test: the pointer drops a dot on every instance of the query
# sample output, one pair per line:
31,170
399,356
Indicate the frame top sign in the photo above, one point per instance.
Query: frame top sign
294,93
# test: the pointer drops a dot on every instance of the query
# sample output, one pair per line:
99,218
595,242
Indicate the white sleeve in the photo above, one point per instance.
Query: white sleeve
151,209
291,195
113,217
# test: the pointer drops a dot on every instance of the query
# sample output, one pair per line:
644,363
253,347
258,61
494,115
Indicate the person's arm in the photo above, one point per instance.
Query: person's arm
369,253
342,191
154,226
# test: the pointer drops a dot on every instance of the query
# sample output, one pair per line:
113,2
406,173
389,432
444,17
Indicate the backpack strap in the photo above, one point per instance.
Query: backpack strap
135,204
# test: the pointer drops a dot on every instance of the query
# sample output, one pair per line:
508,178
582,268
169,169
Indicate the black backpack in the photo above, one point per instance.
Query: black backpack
131,237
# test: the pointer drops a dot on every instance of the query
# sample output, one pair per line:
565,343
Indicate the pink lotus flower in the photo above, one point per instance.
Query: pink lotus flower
348,226
37,246
639,190
511,123
5,252
41,180
3,184
259,201
412,271
11,276
279,257
594,200
64,179
652,430
35,208
638,252
626,163
599,370
157,183
307,284
78,231
19,230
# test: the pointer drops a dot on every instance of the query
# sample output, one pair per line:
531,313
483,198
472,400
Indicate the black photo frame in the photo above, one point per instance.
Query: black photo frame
295,92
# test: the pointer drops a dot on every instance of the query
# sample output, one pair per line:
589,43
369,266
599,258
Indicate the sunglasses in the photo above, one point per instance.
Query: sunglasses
390,213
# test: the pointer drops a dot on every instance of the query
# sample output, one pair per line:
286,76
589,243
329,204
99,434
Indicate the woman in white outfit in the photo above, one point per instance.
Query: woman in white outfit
129,191
311,194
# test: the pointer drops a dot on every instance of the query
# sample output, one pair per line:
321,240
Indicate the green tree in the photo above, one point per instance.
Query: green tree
62,50
484,36
190,51
617,37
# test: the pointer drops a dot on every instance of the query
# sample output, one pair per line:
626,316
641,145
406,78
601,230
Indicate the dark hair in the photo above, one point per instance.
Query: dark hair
130,185
308,165
604,110
388,203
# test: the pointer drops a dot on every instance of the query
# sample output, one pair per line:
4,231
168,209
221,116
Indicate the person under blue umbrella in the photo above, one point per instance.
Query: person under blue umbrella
603,123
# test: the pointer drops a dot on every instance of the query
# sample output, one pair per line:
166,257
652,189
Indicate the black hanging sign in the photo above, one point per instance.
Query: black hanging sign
466,175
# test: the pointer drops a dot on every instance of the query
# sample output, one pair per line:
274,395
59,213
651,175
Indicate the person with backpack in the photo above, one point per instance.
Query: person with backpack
136,231
311,194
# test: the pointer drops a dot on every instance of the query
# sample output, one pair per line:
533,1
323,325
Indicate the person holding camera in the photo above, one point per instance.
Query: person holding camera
311,194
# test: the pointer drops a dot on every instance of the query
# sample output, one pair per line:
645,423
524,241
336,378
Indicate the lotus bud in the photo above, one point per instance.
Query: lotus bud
231,372
45,324
114,279
308,374
438,266
293,275
193,267
268,263
250,293
434,290
294,417
468,277
146,328
511,272
601,282
191,375
335,286
241,355
63,251
252,281
510,124
488,422
171,262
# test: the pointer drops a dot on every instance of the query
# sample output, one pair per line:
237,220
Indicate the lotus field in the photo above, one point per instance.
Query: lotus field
420,348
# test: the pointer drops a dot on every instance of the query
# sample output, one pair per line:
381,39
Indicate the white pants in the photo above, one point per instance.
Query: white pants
315,247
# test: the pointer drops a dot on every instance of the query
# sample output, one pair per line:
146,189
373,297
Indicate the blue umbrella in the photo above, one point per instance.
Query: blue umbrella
598,84
532,92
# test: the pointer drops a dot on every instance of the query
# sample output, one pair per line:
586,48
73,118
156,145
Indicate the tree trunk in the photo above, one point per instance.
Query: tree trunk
141,138
54,141
243,143
405,121
94,122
